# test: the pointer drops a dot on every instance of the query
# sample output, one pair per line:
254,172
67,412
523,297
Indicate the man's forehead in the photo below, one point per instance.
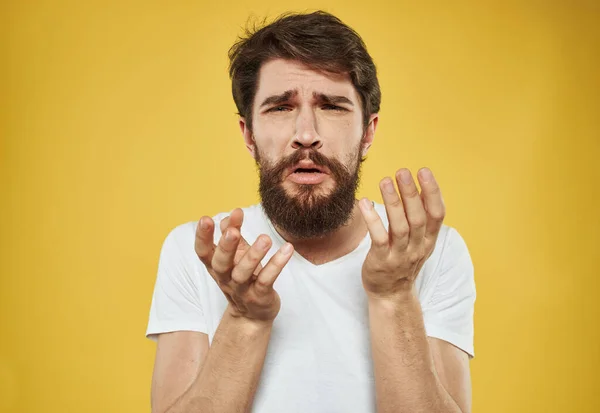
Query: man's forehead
279,75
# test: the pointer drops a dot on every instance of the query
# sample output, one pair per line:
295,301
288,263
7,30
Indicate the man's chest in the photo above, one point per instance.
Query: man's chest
319,357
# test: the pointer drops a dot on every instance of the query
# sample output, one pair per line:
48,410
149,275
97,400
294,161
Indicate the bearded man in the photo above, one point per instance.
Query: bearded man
313,301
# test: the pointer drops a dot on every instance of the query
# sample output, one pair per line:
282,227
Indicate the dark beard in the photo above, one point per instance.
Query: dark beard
308,214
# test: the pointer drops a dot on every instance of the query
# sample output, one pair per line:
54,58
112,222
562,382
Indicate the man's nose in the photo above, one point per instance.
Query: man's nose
307,135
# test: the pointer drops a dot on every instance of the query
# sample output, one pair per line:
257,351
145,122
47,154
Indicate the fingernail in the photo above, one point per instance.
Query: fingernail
388,186
367,204
261,243
203,224
426,175
405,176
287,248
228,235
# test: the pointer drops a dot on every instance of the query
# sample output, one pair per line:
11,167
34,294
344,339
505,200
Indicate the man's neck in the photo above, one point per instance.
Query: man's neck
332,246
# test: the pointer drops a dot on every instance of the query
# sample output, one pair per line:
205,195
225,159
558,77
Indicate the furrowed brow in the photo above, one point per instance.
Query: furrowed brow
332,99
278,99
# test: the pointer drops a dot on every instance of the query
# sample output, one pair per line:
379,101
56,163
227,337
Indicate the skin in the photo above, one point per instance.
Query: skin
413,372
304,121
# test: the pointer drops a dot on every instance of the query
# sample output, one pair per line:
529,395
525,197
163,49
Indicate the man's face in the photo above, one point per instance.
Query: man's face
308,140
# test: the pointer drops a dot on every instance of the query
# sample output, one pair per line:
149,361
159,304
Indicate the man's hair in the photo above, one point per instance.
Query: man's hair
319,40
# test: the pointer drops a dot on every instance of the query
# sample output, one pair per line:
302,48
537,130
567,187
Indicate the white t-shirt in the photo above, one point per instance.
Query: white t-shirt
319,355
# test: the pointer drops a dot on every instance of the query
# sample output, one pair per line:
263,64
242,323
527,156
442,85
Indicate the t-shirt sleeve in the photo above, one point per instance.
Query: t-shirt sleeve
176,302
448,312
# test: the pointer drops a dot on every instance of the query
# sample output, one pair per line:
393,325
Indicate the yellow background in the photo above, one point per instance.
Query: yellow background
118,124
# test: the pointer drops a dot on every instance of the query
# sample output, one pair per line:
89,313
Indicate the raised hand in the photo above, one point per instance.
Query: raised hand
395,258
235,266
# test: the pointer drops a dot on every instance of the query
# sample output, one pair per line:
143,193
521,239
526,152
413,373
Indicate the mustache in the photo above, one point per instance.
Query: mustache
335,166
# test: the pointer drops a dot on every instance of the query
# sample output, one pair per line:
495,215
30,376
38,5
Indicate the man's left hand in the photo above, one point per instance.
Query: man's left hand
395,259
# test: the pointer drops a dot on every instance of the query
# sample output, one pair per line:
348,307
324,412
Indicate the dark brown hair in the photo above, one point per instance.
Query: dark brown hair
319,40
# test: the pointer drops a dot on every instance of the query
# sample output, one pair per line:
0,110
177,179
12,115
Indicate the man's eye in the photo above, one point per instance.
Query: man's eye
278,109
333,107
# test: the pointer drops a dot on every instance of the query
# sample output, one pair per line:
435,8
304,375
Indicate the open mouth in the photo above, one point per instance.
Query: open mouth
308,175
307,170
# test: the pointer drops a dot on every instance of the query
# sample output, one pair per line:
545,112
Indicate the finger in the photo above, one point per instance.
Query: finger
235,220
377,231
413,205
244,270
223,225
265,280
431,196
203,243
398,228
222,261
243,248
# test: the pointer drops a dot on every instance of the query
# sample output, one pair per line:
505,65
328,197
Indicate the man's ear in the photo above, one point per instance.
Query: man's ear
248,137
369,135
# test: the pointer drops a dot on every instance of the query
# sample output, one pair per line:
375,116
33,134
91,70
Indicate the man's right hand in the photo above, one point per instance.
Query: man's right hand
235,266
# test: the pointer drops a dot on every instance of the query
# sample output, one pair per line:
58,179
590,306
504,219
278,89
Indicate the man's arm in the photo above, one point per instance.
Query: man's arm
409,376
227,378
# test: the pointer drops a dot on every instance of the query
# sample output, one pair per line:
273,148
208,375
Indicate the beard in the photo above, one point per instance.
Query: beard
309,213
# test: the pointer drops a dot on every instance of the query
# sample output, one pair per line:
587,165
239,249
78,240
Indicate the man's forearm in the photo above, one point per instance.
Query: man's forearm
230,373
405,376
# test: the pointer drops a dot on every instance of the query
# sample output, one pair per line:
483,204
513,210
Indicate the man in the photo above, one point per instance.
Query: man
313,301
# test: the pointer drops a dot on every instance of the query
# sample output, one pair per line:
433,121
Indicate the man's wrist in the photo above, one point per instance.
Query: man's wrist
396,299
249,325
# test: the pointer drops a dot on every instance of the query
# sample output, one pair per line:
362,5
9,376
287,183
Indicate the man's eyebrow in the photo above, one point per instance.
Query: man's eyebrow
332,99
278,99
